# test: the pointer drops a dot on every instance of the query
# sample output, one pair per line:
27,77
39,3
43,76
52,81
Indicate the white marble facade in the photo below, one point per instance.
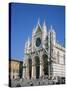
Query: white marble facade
43,55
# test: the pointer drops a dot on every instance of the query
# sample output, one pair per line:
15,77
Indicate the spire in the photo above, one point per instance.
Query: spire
38,26
44,33
27,46
44,24
38,21
28,42
44,27
33,29
51,28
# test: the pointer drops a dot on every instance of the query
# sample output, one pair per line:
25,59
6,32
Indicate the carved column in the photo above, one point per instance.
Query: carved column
24,71
27,69
33,68
41,66
48,68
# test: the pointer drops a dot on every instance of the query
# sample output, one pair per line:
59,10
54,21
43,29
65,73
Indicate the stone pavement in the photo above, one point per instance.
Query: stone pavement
31,82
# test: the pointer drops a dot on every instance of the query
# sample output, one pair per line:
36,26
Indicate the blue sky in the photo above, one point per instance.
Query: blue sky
25,16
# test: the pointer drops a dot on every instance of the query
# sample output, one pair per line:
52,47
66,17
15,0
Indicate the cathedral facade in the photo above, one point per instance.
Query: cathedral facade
44,57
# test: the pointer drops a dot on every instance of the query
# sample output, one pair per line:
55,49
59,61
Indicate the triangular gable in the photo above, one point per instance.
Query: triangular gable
38,29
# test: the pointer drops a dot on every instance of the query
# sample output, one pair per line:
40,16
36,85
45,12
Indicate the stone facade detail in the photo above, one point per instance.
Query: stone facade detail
41,58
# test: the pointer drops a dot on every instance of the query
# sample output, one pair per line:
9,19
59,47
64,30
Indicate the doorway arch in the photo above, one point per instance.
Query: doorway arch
45,64
30,67
37,65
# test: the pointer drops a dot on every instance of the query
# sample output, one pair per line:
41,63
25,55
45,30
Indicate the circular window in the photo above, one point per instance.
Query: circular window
38,42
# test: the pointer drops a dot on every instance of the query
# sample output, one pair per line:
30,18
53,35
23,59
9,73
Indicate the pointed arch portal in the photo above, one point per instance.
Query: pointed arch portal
45,64
37,64
30,68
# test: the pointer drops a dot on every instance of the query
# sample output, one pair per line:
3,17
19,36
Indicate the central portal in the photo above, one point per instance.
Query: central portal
37,64
45,64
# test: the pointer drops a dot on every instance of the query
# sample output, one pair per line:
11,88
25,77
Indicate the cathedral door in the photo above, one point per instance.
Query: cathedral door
37,63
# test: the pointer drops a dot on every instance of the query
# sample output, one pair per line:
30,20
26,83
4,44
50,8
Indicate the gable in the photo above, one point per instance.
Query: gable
38,29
